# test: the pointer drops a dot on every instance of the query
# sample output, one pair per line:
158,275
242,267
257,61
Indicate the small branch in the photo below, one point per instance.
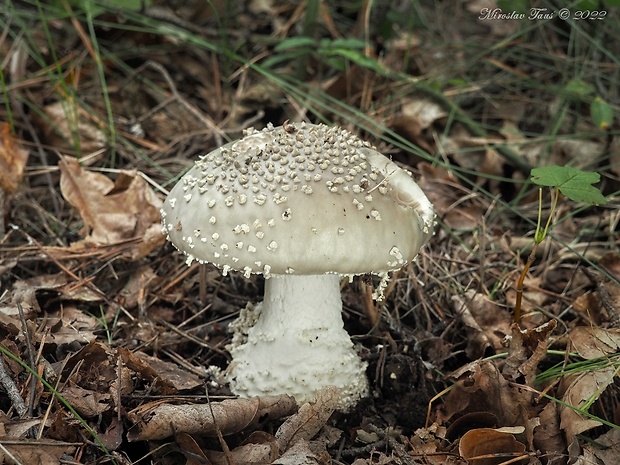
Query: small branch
12,390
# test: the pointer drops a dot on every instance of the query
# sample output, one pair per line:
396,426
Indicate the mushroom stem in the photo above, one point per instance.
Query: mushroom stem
299,345
308,306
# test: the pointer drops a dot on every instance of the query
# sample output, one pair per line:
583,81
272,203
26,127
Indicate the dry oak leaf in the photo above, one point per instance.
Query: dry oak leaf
113,211
13,160
159,421
498,446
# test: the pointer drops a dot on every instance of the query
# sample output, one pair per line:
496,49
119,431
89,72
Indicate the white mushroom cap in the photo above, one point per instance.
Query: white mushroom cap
307,200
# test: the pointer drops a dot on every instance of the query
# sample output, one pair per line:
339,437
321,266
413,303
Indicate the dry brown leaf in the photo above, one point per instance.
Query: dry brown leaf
168,376
192,451
415,116
13,160
65,128
577,390
474,153
246,454
86,402
480,387
21,294
487,324
306,423
548,436
590,342
528,347
70,325
605,448
160,421
446,194
426,442
136,291
60,286
298,454
486,441
113,211
34,452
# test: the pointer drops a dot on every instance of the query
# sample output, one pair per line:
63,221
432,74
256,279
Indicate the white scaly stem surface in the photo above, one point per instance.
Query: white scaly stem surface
299,345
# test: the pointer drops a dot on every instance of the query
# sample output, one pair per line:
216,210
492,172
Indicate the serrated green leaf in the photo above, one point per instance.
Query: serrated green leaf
602,114
572,182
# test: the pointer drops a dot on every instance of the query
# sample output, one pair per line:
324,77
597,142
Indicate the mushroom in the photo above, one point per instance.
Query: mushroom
304,205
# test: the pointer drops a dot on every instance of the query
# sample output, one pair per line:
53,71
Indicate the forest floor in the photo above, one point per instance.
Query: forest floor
101,320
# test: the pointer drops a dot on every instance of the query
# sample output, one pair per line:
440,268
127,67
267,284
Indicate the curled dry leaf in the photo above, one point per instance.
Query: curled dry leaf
166,375
13,160
230,416
113,211
528,347
192,451
480,387
496,445
306,423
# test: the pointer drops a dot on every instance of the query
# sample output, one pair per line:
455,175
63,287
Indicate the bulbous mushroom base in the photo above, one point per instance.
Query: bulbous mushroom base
298,345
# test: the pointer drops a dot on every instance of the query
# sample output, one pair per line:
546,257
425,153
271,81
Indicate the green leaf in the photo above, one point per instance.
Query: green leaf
295,42
578,88
344,43
572,182
602,114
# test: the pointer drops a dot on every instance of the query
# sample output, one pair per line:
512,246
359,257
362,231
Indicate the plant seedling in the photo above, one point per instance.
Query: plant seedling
575,184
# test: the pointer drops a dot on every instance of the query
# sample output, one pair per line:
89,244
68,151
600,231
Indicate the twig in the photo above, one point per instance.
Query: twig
11,389
33,380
